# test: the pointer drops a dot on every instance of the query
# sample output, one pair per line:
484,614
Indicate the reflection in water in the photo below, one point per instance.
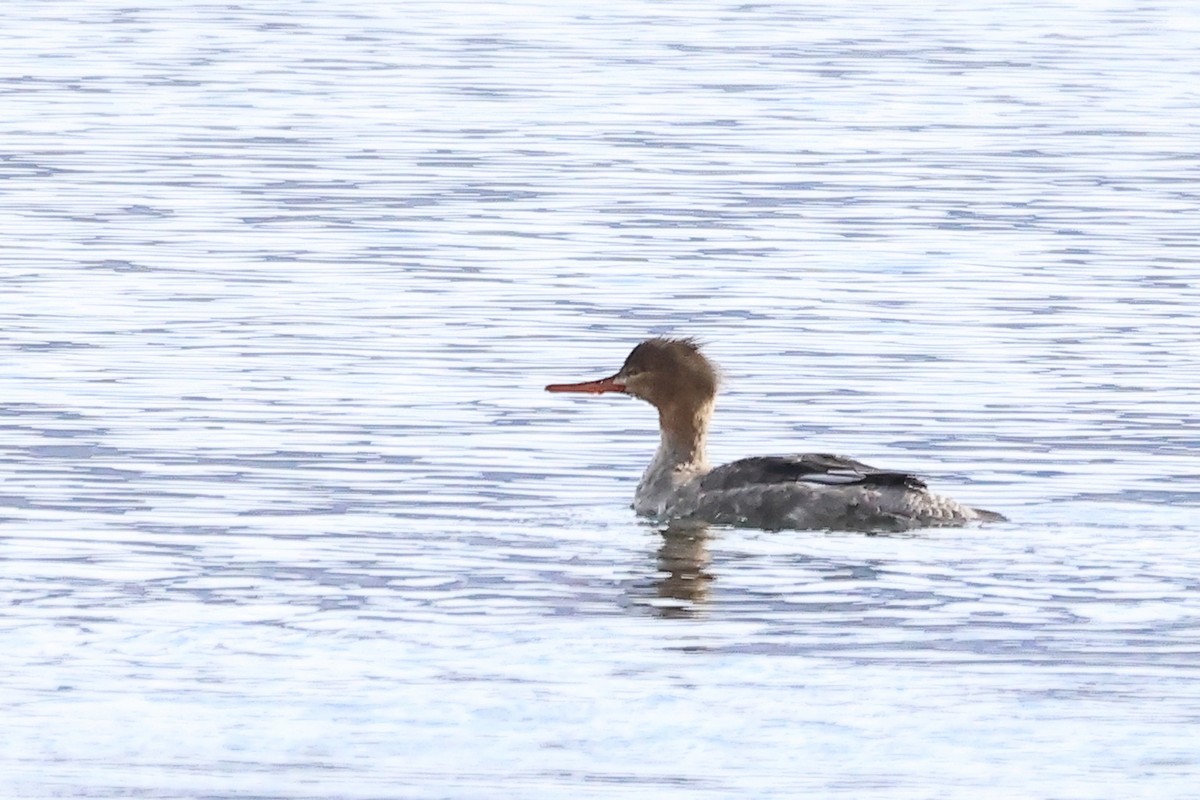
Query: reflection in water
683,574
682,581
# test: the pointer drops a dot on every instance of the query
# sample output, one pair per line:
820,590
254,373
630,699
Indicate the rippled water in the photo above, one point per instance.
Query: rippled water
286,513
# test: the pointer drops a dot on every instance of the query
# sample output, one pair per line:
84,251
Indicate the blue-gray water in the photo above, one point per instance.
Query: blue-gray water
286,514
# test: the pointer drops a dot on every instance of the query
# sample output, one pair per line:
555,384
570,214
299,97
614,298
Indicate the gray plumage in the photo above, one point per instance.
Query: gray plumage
807,491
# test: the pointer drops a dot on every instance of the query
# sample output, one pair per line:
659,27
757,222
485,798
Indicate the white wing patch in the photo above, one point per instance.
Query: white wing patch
833,477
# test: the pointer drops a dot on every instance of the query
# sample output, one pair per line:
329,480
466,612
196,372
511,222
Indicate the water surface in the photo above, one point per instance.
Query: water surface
286,513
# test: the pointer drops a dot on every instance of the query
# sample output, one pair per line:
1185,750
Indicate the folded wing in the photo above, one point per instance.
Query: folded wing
813,468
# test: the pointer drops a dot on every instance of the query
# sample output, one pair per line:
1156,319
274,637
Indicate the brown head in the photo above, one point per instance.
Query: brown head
670,374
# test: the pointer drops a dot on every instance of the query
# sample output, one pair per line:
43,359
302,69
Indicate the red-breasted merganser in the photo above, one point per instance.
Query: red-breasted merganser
808,491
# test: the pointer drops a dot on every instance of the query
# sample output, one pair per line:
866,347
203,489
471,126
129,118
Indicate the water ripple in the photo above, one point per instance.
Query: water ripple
286,513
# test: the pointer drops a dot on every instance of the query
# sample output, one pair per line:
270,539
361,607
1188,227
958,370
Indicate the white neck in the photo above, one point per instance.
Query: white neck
680,458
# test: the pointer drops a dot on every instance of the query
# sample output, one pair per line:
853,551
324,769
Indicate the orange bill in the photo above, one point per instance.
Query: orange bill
589,387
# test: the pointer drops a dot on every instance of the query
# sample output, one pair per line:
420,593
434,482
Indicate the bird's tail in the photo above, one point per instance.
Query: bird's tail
989,516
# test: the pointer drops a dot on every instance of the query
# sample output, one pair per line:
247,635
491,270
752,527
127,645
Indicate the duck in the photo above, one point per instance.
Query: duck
806,491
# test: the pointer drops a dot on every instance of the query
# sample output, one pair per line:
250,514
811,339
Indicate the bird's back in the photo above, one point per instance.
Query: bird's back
819,491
